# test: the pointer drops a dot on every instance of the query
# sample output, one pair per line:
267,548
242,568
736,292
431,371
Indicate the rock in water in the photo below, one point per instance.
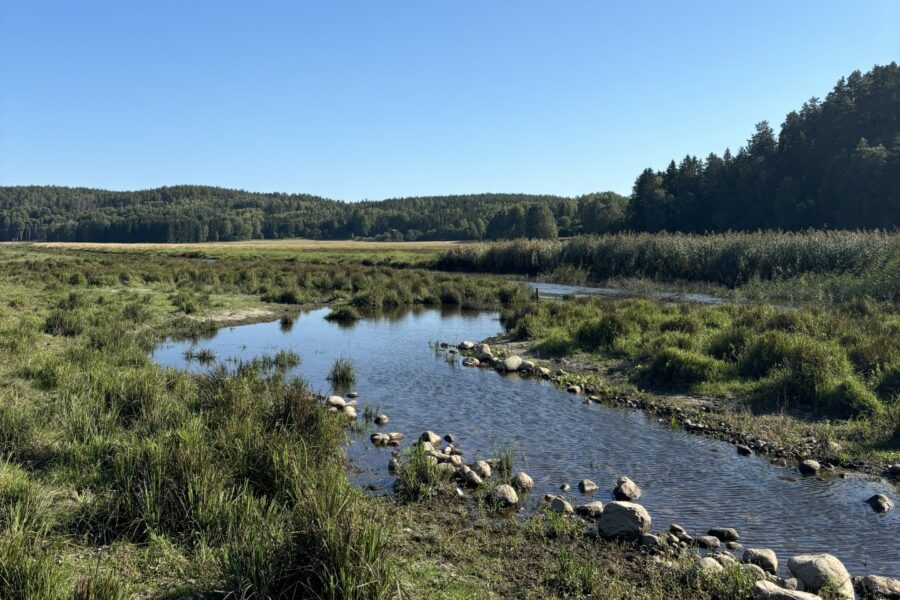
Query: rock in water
512,364
726,534
761,557
522,482
624,521
766,590
336,402
590,510
815,571
810,467
586,486
873,586
560,505
626,490
381,420
430,437
503,495
880,503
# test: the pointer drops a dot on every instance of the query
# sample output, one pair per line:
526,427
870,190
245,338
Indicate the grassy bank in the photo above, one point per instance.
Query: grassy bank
120,479
832,372
815,265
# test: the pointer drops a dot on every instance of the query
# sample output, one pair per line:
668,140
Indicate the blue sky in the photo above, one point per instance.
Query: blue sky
389,98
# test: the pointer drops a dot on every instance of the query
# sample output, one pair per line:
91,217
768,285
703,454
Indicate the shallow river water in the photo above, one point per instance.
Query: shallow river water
693,481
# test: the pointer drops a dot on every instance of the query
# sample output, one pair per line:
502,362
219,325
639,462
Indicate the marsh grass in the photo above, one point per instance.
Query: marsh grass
814,262
818,363
342,372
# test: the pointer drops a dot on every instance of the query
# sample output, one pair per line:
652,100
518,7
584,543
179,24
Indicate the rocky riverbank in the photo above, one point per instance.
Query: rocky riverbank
433,462
700,416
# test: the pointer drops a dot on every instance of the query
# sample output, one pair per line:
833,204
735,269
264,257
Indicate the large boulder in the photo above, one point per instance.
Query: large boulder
522,482
873,586
815,571
626,490
624,521
766,590
761,557
503,495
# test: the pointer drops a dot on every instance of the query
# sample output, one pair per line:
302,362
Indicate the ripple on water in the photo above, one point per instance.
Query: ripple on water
697,482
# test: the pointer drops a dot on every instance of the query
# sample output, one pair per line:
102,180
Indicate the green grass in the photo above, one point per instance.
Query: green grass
232,479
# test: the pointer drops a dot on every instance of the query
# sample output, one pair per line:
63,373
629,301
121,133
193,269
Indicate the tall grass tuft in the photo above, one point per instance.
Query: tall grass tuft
342,372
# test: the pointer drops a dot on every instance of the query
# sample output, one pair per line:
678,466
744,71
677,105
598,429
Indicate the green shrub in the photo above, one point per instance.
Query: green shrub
729,343
64,322
851,398
557,344
813,359
889,383
687,323
680,368
343,314
603,332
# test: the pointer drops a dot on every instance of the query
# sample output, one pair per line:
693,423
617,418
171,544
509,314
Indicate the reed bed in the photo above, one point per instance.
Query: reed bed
730,259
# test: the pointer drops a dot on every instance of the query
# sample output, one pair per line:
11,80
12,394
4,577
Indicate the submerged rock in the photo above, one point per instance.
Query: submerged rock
353,395
761,557
880,503
471,361
626,490
624,521
381,420
744,450
815,571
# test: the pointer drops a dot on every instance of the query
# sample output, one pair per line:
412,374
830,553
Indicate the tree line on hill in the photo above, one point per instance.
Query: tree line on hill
834,164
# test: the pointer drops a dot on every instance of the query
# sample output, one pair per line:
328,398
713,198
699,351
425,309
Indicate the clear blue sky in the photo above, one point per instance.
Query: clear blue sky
386,98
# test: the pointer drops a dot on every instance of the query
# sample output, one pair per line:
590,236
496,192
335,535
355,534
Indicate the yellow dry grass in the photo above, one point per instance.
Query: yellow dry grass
291,244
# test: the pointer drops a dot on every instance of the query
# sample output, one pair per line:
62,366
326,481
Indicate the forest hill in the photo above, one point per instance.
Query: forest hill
835,163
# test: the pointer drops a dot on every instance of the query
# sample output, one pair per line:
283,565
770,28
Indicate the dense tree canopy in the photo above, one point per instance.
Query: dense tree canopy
835,163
